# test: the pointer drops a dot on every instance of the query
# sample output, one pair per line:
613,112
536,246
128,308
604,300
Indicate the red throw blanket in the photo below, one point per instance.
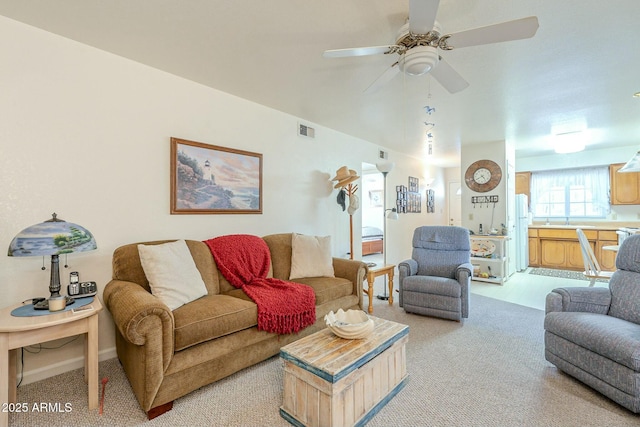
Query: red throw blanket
244,260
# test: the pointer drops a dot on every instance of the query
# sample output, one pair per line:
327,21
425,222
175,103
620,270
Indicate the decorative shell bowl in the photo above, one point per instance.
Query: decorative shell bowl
350,324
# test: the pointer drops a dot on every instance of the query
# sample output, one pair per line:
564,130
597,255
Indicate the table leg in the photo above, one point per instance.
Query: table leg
91,361
370,280
13,369
4,377
391,286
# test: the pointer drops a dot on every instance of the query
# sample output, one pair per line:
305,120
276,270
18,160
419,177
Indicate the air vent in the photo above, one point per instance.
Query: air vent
382,154
304,130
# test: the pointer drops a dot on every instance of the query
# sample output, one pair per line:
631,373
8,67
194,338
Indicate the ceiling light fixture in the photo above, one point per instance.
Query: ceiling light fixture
568,142
419,60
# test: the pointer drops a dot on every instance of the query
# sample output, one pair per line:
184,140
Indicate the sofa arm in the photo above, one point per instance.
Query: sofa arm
141,318
584,299
355,271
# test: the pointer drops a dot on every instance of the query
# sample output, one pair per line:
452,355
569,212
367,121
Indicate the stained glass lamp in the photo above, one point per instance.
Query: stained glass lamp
53,237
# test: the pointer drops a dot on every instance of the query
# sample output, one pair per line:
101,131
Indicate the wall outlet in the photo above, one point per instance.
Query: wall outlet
470,217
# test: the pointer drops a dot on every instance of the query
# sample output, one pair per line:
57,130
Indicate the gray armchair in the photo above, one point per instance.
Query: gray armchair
435,281
593,334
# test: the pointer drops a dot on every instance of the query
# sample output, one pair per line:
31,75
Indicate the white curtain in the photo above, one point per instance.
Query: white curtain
595,180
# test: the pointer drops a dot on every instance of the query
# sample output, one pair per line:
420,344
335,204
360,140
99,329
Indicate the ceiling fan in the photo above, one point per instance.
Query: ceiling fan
419,43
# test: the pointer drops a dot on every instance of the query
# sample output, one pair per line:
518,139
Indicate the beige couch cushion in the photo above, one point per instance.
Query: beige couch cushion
127,266
172,273
310,256
328,288
211,317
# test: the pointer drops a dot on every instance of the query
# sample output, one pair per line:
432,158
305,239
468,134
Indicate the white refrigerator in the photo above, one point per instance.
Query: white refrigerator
522,232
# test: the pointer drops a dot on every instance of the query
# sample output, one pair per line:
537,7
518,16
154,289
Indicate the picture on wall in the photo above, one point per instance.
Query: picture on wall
431,207
408,201
208,179
414,184
375,198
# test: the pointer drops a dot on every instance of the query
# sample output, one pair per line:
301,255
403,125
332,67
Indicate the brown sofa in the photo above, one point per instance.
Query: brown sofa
167,354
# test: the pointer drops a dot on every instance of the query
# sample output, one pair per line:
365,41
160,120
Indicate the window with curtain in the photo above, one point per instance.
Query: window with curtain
570,193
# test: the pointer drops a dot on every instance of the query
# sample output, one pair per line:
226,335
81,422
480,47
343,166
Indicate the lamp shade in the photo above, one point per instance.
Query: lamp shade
52,237
385,167
633,165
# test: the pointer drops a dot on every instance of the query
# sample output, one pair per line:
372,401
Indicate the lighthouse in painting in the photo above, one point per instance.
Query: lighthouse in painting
207,172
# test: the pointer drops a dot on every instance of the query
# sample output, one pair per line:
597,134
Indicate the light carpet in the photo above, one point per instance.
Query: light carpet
488,370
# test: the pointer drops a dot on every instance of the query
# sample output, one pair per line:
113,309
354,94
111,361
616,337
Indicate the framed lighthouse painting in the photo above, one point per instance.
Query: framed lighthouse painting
209,179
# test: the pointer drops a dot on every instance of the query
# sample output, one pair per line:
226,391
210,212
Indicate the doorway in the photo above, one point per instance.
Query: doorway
455,203
372,213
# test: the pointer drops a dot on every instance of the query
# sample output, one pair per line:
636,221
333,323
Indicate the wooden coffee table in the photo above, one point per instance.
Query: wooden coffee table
330,381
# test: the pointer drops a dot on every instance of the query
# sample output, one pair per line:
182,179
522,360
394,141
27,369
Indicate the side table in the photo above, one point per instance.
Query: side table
372,273
17,332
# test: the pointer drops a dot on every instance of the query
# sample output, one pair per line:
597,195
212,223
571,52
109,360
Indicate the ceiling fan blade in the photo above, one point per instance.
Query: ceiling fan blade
448,77
359,51
523,28
422,15
384,78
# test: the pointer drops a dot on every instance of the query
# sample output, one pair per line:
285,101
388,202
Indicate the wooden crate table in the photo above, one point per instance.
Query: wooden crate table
331,381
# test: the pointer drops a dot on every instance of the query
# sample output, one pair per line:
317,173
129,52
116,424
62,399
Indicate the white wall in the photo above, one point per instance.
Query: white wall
86,134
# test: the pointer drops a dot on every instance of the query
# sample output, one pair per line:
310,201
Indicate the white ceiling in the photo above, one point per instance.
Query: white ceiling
583,65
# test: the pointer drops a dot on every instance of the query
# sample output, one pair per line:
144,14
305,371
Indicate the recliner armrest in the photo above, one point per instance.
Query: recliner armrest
582,299
408,267
464,271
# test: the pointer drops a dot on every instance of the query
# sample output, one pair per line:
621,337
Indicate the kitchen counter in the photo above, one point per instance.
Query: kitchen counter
592,226
557,245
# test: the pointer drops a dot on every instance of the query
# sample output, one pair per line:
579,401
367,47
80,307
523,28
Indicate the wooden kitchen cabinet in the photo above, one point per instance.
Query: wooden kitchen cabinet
523,184
534,248
560,248
563,254
625,187
606,259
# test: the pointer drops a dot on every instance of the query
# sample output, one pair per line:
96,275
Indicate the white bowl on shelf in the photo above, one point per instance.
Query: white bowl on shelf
350,324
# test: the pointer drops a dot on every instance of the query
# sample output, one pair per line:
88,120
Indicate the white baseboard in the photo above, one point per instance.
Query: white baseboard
39,374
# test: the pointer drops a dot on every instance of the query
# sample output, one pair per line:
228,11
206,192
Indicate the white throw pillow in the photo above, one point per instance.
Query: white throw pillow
172,273
311,256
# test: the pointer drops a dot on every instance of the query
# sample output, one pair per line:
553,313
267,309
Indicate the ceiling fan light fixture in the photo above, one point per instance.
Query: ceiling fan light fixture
419,60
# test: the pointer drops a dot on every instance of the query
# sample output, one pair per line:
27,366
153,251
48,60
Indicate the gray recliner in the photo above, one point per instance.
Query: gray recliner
593,333
435,281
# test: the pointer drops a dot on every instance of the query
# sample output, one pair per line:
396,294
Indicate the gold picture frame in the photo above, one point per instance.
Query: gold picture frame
209,179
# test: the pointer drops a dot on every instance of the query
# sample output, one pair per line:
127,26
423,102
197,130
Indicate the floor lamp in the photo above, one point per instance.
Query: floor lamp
385,168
